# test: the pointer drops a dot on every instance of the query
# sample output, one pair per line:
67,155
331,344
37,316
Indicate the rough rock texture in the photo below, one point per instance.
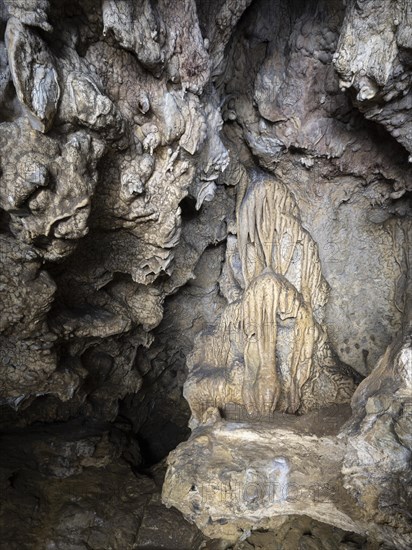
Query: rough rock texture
234,476
213,193
75,485
379,70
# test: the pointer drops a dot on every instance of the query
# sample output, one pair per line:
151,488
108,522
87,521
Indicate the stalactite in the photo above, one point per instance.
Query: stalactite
281,306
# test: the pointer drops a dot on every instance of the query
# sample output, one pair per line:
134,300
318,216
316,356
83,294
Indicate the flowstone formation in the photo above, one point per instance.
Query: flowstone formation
281,427
270,350
205,223
269,397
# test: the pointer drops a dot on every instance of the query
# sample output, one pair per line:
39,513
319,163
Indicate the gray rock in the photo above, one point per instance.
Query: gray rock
208,197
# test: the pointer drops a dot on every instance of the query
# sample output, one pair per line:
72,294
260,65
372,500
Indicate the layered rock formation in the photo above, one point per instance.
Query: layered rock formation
216,195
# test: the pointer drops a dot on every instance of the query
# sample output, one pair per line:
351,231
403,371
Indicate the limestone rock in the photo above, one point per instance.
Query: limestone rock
33,72
232,478
373,57
236,475
138,28
376,467
76,475
208,198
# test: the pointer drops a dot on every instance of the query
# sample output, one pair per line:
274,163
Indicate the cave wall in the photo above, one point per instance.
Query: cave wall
131,134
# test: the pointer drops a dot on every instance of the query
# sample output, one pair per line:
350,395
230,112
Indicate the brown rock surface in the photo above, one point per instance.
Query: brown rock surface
208,197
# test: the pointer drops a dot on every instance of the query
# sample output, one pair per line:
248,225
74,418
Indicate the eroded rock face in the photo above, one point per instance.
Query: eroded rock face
379,69
208,198
94,167
86,492
237,475
287,276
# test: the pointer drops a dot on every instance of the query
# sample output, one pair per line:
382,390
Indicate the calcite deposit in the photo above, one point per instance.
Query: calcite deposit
205,281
